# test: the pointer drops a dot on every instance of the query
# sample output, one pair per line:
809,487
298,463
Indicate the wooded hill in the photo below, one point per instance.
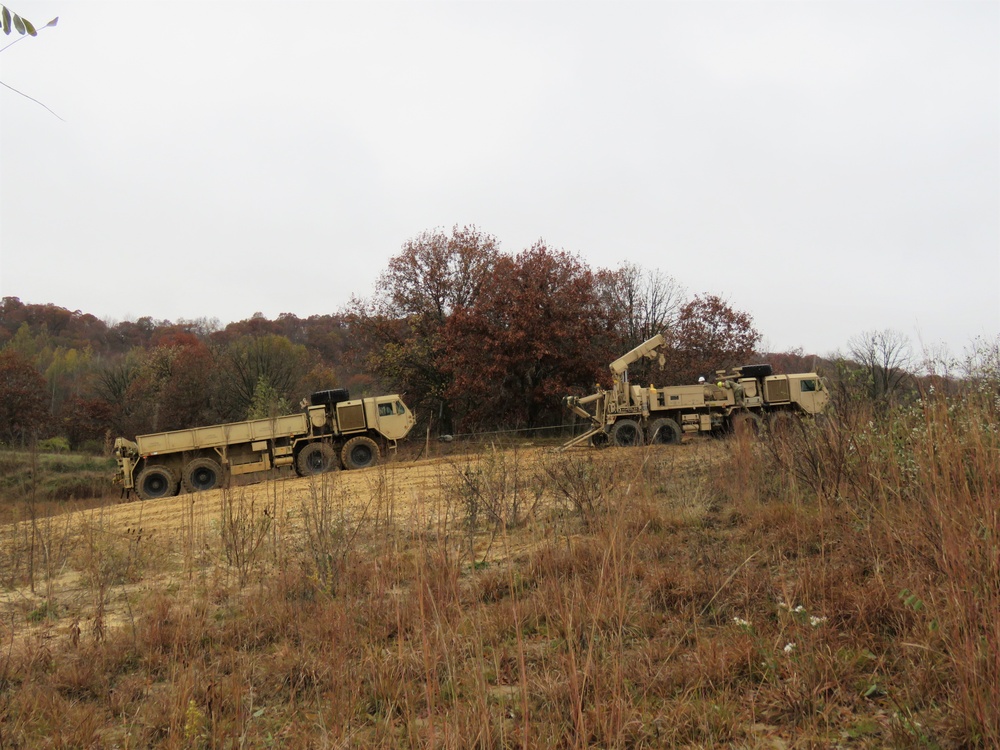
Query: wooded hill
474,337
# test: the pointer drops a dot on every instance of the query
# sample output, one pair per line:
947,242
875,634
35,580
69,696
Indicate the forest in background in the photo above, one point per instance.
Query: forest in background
475,338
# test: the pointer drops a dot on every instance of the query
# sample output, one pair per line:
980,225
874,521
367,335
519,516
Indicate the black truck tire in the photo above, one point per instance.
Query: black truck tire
155,482
626,433
664,431
202,474
360,452
316,458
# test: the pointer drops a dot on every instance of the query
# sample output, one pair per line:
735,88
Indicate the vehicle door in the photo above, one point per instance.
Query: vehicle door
810,394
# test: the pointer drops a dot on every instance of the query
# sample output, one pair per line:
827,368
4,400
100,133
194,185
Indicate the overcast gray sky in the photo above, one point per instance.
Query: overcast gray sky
830,167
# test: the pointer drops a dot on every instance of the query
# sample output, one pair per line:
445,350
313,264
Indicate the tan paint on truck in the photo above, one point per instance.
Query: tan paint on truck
324,436
631,414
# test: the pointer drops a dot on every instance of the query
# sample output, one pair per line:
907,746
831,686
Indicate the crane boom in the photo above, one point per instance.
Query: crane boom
646,349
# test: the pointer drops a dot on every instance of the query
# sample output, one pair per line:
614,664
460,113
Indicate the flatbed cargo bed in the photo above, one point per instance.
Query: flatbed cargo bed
220,435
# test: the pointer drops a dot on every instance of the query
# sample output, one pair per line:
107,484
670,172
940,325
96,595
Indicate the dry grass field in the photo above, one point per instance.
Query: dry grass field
836,585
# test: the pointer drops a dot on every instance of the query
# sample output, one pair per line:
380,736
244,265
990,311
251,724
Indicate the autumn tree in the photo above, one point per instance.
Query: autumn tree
436,274
23,411
143,403
401,327
319,377
29,341
114,378
256,326
641,302
186,396
128,334
251,361
48,343
66,373
527,340
166,387
87,422
708,335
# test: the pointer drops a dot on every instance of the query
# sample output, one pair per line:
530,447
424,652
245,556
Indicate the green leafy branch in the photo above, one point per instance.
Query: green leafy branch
14,22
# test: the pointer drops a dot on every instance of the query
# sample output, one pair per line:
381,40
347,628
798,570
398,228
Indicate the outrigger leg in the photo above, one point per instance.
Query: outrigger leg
580,438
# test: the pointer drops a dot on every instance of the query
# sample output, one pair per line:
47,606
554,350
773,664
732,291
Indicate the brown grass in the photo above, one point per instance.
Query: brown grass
836,585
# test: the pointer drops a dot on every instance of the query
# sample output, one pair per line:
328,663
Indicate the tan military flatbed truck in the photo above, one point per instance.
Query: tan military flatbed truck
741,398
331,432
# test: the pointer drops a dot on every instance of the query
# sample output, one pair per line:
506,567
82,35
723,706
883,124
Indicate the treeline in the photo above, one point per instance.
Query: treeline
475,338
75,380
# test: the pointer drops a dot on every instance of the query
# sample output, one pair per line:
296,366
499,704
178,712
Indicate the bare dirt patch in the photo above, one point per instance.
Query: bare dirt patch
89,565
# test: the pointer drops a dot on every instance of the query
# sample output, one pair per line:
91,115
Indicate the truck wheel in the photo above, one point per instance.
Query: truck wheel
202,474
599,440
626,433
316,458
360,452
664,432
155,482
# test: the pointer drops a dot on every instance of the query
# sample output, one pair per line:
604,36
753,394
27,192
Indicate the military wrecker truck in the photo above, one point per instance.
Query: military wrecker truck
739,399
332,431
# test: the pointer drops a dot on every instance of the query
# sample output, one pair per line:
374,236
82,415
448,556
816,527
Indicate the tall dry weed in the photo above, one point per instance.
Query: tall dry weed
244,526
956,491
580,482
497,490
902,511
726,593
332,525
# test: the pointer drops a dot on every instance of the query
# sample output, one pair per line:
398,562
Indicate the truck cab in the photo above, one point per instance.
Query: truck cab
387,415
391,417
803,389
809,392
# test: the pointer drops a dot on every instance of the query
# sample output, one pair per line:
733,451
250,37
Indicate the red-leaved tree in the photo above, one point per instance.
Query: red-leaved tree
708,335
23,403
87,422
526,341
186,395
434,275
